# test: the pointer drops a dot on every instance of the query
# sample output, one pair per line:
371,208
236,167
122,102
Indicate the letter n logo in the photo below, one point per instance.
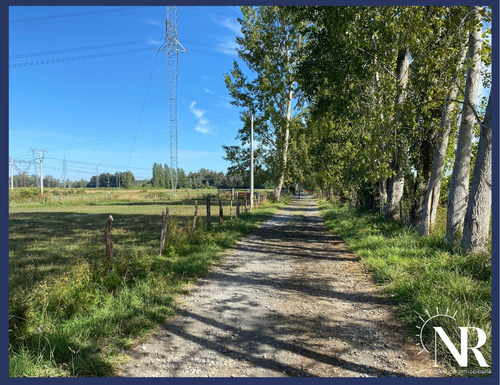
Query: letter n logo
461,357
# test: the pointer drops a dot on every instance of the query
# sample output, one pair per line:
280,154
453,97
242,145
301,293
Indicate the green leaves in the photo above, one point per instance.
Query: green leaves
322,87
267,47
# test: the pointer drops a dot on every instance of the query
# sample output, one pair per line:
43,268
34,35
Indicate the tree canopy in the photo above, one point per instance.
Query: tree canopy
355,101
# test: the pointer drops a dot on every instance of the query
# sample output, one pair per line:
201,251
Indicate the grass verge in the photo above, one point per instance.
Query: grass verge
422,274
78,322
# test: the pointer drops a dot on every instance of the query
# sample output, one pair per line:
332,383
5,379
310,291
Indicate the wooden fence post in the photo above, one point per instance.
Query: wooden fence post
208,213
221,213
195,214
237,207
231,208
164,220
246,208
108,240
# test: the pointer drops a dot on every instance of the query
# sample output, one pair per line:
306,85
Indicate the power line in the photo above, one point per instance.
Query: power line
106,54
103,54
99,164
142,109
83,48
94,12
107,45
125,137
84,57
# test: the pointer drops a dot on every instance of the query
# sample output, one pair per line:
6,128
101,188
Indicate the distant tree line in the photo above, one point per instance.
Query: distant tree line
204,178
161,178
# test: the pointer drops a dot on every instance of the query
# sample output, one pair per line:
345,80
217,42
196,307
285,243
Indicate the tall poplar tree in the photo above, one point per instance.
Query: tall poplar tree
477,217
268,47
459,184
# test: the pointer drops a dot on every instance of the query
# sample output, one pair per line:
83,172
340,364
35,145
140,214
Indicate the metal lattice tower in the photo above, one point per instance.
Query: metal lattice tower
172,47
64,176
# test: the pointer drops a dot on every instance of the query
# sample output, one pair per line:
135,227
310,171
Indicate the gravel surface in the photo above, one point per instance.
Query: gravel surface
288,300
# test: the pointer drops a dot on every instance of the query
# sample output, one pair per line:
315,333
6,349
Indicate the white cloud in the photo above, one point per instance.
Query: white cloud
154,22
227,46
225,102
232,24
203,124
208,91
155,42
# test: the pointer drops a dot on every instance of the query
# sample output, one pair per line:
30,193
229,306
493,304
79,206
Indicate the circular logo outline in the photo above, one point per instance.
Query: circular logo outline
421,343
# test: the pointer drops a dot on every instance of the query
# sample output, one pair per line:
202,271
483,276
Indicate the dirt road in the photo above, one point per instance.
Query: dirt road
289,300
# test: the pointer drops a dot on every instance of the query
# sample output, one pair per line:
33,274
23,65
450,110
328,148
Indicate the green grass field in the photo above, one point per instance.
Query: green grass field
70,314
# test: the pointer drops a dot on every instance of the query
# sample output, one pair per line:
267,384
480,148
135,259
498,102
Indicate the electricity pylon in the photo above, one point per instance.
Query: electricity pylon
172,47
64,175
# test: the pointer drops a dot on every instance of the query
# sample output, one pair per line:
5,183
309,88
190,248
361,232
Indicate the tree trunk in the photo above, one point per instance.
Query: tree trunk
395,193
431,201
397,181
424,174
382,193
459,185
382,183
277,191
477,217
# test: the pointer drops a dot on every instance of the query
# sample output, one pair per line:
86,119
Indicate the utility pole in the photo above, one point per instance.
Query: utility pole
12,174
41,168
41,172
251,162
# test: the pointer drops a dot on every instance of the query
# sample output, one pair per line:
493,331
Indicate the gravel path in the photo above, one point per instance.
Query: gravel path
289,300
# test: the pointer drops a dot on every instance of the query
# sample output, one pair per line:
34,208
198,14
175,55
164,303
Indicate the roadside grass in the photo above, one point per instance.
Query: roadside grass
423,275
70,314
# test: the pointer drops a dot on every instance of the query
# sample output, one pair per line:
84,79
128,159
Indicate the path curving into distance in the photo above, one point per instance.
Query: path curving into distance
288,300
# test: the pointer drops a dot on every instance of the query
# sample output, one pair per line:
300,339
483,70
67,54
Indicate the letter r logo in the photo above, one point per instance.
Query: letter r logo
461,357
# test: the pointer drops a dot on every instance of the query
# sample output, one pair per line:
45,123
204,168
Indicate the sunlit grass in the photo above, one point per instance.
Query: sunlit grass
70,314
418,273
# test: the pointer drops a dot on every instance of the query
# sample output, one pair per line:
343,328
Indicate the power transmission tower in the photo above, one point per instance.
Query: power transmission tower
64,177
172,47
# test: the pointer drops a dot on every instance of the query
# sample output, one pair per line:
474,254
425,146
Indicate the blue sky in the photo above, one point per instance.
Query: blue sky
111,111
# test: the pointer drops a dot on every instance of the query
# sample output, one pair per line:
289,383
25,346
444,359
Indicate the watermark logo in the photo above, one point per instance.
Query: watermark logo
431,328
